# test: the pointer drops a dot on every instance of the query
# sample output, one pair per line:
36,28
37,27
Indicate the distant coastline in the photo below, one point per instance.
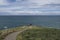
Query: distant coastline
29,15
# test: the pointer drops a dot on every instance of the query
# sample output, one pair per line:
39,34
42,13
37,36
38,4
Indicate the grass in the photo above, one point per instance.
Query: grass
32,33
4,33
39,33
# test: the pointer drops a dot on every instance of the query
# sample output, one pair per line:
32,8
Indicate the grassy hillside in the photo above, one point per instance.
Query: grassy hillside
38,33
5,32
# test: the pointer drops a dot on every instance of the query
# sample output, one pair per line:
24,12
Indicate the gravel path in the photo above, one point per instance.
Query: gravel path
12,36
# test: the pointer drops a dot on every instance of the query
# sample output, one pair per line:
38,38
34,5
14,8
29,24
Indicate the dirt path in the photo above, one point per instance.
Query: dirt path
12,36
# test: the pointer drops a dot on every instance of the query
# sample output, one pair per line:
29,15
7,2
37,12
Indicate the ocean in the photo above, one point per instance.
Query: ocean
15,21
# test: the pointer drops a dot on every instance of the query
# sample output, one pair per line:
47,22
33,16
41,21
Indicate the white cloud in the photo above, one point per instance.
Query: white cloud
3,2
37,2
30,7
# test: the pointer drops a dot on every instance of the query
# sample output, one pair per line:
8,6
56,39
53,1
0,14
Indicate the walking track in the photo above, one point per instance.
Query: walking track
12,36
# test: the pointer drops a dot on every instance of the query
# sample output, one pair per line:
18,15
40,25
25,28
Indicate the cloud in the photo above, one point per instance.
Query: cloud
30,7
10,1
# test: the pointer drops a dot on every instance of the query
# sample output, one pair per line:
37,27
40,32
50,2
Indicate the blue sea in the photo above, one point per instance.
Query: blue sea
15,21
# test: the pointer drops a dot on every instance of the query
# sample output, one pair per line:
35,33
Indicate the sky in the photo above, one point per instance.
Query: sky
29,7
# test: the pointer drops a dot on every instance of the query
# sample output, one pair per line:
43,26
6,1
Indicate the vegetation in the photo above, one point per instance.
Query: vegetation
4,33
33,33
39,33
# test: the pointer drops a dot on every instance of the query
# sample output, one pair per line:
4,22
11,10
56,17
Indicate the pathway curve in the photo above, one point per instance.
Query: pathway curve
12,36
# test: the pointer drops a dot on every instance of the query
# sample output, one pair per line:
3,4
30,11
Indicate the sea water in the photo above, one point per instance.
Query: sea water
15,21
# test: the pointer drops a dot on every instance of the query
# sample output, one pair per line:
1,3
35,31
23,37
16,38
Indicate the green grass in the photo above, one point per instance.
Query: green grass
4,33
32,33
39,33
